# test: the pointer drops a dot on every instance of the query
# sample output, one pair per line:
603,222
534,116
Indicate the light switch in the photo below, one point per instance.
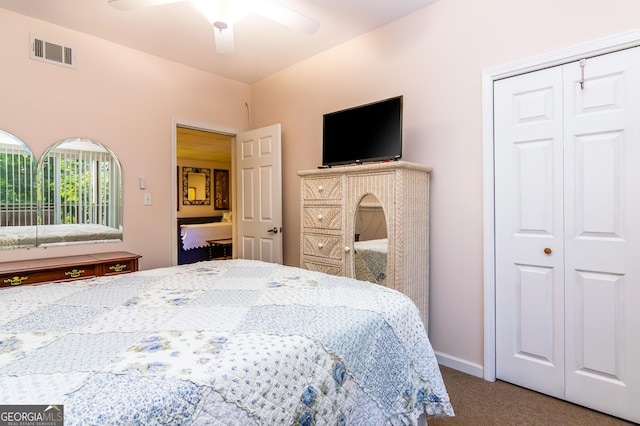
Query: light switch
142,182
147,198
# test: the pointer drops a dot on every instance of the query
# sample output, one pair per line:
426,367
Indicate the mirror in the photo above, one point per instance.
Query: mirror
196,186
18,196
370,246
79,191
80,194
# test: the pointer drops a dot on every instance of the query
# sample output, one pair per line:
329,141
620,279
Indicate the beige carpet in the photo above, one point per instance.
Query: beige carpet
479,402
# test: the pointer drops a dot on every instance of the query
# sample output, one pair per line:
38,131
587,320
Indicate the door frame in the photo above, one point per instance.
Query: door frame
560,57
175,123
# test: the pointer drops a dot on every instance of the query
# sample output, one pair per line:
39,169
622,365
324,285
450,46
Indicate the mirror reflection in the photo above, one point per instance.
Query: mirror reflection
80,193
18,201
196,186
370,260
78,189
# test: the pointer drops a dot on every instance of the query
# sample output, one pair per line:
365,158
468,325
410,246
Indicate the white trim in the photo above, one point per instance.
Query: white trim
489,229
595,48
175,123
459,364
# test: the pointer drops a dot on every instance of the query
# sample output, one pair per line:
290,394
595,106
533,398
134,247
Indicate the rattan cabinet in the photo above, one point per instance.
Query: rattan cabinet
330,199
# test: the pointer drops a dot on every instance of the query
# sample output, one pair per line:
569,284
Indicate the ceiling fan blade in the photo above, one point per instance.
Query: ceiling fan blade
285,16
135,4
224,39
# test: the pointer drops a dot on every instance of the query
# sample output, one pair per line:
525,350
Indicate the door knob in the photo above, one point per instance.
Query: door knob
547,250
273,230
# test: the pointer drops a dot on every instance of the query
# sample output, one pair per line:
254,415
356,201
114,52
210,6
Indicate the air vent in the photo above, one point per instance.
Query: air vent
52,52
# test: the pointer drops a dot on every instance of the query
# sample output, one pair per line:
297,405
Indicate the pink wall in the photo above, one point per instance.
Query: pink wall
125,100
434,58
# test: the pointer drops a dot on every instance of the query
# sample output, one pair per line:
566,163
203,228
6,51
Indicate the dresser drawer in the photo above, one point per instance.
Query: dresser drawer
325,268
67,273
66,268
323,217
324,246
326,188
119,262
119,267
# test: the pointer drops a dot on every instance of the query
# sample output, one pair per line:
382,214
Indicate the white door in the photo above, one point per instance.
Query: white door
567,187
259,184
529,220
602,234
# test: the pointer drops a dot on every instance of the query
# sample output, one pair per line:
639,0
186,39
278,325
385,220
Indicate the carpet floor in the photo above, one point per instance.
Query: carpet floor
479,402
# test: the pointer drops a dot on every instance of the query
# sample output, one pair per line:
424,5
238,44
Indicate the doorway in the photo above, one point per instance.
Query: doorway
256,176
209,149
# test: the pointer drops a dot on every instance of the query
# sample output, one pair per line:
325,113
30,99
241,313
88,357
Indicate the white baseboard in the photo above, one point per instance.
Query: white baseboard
459,364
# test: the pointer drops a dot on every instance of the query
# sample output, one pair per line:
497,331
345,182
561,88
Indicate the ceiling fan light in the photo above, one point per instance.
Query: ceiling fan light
220,25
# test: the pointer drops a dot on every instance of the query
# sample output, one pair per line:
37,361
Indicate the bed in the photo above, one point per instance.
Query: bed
193,234
370,260
233,342
196,235
49,235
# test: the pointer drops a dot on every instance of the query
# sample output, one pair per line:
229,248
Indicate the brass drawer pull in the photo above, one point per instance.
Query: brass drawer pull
15,280
75,273
118,267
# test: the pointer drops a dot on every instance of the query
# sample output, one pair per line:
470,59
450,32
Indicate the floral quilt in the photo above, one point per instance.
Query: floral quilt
233,342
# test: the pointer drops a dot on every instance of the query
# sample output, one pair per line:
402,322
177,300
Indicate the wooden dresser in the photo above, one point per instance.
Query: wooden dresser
330,201
67,268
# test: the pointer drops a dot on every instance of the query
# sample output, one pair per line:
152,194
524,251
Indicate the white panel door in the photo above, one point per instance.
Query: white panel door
567,191
259,182
529,234
602,233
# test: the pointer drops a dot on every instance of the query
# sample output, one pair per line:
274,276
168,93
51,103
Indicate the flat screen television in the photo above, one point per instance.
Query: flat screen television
371,132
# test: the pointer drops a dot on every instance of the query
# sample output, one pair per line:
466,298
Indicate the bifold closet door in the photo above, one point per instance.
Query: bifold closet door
567,190
529,231
602,233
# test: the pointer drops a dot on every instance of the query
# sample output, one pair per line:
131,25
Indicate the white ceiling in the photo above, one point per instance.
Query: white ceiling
180,33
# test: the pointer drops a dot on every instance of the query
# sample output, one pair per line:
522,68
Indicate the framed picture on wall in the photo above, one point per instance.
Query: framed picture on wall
221,189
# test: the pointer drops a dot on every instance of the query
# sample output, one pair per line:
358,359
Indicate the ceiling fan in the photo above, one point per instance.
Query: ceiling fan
223,13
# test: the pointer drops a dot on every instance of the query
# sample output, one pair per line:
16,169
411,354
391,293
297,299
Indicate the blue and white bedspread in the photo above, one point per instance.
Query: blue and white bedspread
233,342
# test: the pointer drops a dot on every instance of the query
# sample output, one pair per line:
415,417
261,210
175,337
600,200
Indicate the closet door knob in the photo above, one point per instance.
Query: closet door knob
547,250
347,249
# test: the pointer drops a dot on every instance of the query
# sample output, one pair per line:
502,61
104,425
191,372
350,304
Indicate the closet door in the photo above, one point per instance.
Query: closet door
529,234
602,233
567,190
